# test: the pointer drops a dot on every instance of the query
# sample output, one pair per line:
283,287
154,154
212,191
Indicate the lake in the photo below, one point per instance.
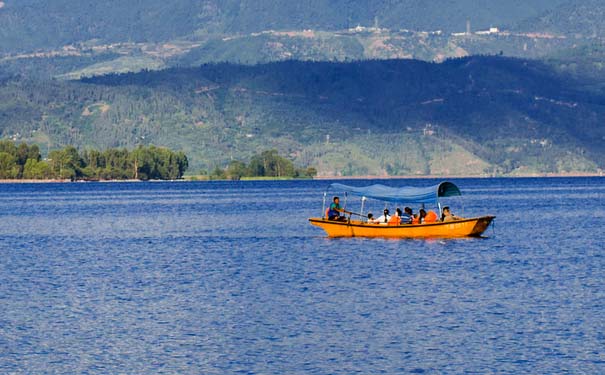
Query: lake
230,278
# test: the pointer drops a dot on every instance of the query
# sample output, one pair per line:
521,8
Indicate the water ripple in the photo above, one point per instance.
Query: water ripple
219,278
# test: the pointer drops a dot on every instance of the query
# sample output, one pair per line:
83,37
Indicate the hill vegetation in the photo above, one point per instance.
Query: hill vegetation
584,62
469,116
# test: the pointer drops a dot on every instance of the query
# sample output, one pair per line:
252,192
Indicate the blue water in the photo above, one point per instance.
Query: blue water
229,278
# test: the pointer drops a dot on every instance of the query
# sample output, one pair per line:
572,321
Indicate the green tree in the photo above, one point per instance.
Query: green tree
157,163
9,168
182,162
270,164
142,163
94,163
117,164
66,163
34,153
173,166
8,147
22,153
310,172
218,174
161,164
36,169
256,167
236,170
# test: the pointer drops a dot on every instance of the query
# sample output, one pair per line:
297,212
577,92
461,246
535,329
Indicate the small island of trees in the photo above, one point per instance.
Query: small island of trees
267,164
142,163
24,162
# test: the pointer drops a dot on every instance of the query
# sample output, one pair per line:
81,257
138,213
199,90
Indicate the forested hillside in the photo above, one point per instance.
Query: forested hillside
358,44
478,115
68,39
39,24
572,18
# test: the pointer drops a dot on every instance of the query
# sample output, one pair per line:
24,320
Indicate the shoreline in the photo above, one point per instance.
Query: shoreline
65,181
410,177
320,178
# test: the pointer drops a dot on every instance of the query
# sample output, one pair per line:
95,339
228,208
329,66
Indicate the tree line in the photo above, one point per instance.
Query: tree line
143,163
266,164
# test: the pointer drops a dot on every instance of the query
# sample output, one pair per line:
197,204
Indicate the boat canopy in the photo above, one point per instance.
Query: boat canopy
405,194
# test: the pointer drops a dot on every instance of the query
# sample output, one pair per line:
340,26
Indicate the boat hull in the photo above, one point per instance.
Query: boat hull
460,228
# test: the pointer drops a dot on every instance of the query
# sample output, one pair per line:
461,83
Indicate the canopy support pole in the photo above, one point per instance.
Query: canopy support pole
363,200
323,207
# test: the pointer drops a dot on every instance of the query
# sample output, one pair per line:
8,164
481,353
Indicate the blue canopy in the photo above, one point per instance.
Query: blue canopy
406,194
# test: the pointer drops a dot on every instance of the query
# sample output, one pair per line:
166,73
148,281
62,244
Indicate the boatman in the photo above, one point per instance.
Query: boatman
335,210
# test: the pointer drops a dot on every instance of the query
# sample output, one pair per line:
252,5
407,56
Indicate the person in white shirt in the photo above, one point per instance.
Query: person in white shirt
447,215
384,219
372,219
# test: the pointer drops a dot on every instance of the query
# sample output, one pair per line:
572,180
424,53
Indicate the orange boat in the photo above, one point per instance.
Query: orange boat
355,228
461,227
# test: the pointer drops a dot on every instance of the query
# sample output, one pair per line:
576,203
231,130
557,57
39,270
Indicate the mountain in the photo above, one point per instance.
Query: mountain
474,115
347,86
359,43
41,24
367,43
68,39
575,19
31,25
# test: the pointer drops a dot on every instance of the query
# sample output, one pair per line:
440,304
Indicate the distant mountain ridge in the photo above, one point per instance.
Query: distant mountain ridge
470,116
69,39
38,24
572,18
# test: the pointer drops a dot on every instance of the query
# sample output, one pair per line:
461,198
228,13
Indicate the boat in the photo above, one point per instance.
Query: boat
461,227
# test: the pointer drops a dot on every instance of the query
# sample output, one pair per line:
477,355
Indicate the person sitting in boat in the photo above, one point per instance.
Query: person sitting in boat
408,216
427,217
447,215
335,210
396,219
419,219
384,219
372,219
